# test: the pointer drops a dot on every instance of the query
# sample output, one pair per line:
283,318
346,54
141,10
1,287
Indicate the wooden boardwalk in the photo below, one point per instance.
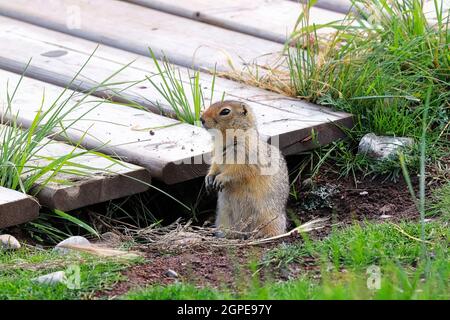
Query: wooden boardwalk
228,35
271,20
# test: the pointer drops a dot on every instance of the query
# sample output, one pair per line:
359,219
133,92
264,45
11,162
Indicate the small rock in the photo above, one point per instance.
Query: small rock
171,273
382,147
8,242
385,216
51,278
77,240
363,193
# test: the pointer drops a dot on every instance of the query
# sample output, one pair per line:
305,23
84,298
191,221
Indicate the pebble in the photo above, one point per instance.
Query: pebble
8,242
51,278
364,193
77,240
171,273
385,216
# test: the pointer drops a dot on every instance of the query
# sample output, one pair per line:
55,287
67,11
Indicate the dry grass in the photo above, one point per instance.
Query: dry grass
177,235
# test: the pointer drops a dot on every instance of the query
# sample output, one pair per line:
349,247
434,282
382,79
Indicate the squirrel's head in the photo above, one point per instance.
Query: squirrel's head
228,114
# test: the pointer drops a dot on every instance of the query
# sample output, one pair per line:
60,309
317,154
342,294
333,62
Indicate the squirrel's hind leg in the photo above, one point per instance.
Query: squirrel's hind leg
224,213
271,224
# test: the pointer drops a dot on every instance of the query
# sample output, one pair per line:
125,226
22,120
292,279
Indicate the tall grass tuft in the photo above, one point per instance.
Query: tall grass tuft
186,103
378,64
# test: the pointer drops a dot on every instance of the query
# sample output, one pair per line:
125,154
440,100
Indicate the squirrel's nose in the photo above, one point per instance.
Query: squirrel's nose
202,120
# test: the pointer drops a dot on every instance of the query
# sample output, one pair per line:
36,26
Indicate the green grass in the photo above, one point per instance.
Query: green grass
379,68
359,246
186,102
344,257
178,291
17,268
441,203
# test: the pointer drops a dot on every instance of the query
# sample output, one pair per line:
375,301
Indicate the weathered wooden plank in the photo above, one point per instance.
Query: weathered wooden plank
114,129
272,20
99,179
56,58
16,208
134,28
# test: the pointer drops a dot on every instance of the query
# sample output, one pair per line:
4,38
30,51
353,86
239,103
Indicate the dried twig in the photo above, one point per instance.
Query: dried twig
306,227
397,227
178,235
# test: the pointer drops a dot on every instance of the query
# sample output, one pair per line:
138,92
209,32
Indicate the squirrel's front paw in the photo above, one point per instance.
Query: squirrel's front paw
215,182
219,182
209,182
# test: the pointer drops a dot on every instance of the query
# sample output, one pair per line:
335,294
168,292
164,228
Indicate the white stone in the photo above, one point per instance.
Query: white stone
383,147
171,273
8,242
51,278
76,240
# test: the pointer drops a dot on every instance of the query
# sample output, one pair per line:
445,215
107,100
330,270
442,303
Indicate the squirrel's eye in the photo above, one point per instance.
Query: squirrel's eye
224,112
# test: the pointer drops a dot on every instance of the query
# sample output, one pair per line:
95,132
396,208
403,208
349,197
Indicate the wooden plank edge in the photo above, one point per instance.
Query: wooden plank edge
24,209
324,133
92,191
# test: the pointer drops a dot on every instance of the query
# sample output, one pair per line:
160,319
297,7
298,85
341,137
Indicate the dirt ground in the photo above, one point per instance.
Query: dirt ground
374,200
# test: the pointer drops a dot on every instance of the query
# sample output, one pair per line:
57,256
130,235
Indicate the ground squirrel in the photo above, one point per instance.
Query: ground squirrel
249,174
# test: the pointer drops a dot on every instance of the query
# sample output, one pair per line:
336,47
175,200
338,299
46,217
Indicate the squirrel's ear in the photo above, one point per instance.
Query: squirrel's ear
244,109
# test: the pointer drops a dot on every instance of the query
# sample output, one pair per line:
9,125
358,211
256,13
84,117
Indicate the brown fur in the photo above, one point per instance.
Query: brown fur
249,200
